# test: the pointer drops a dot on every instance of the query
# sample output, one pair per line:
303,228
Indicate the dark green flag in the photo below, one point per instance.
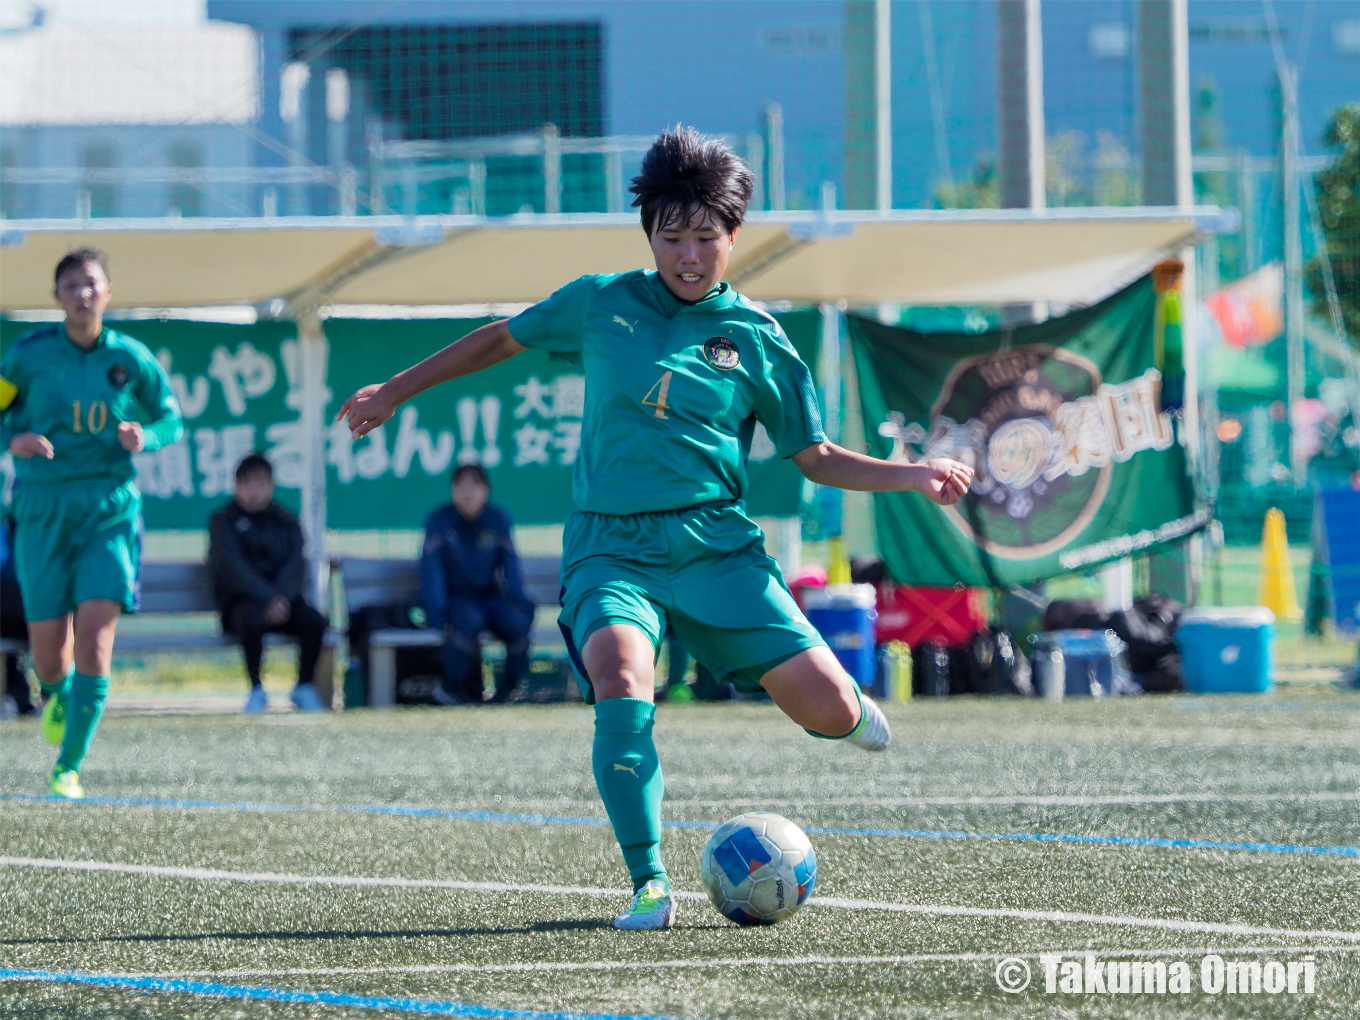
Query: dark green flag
1075,462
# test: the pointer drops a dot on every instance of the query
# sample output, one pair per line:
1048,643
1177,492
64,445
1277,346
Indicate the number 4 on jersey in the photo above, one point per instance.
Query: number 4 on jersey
663,385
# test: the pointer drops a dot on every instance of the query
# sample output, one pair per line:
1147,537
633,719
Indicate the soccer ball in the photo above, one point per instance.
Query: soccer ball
759,868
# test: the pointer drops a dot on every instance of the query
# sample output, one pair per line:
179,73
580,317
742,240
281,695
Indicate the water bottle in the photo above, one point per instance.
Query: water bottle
897,671
1050,672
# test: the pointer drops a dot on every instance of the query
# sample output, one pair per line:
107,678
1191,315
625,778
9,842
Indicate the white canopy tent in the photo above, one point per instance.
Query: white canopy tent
988,256
292,267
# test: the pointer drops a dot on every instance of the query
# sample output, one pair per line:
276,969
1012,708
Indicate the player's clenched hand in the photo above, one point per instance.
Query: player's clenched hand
130,436
277,611
366,410
30,444
947,481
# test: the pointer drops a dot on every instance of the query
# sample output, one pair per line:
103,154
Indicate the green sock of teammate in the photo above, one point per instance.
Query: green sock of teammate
83,710
61,687
628,775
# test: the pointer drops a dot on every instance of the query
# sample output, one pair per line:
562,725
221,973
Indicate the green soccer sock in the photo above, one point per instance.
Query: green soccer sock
628,775
83,710
60,688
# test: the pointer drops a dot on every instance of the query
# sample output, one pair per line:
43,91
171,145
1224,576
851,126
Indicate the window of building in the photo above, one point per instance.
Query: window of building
101,190
186,195
463,81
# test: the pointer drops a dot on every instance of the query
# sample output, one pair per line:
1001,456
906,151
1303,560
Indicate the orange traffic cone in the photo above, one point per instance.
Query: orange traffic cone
1276,591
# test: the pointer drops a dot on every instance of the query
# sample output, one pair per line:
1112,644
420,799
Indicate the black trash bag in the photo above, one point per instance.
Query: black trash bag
1161,608
1165,676
931,670
419,669
868,570
1010,668
1148,639
987,664
1148,629
1074,614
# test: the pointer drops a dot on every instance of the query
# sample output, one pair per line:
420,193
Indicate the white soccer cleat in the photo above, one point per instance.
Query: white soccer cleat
653,909
872,733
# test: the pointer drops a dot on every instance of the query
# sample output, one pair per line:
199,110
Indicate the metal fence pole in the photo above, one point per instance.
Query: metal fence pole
552,170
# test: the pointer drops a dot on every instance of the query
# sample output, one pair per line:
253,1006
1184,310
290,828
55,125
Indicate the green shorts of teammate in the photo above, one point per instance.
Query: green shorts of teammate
75,541
704,570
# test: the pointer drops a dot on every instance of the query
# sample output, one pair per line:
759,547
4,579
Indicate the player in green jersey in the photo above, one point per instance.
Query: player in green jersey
680,370
78,401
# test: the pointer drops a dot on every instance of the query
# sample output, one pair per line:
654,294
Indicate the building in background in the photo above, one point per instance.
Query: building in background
295,106
127,120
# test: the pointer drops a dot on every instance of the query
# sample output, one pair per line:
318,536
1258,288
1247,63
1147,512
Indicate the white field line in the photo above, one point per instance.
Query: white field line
739,961
1038,800
838,903
559,805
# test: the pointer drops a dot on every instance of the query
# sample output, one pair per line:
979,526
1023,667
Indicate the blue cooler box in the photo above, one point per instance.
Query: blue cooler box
1093,663
844,615
1227,651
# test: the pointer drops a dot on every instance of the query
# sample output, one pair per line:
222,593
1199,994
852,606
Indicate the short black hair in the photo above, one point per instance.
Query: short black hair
255,463
471,470
80,257
684,172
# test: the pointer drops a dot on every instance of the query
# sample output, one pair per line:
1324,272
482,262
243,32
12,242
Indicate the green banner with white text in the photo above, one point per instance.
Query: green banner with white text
1076,464
240,390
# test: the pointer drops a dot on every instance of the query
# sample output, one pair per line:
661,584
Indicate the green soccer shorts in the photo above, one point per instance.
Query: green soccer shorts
75,541
704,569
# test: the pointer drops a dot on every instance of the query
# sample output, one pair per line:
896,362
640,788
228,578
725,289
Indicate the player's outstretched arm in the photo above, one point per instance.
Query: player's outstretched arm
485,346
942,481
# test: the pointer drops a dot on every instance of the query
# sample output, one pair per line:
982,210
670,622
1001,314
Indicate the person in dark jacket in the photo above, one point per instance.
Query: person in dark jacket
258,576
13,625
470,582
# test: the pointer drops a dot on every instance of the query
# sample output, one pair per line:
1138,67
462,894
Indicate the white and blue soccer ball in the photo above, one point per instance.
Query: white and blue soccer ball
759,868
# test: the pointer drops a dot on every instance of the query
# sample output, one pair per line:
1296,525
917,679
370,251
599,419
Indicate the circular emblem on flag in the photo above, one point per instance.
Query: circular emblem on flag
1031,417
118,376
722,353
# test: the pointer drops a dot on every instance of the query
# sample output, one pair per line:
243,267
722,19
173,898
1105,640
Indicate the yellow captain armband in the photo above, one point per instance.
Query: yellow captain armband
8,391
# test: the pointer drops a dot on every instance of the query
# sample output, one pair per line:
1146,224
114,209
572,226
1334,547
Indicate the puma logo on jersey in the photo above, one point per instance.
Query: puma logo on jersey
631,769
625,323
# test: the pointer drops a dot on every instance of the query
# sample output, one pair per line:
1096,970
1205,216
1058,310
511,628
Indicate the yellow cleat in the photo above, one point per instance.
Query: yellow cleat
54,719
66,784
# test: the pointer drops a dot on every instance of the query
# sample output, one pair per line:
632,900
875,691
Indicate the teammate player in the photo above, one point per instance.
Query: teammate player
679,369
78,401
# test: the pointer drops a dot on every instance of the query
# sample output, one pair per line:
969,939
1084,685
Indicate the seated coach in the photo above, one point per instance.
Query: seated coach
470,582
258,573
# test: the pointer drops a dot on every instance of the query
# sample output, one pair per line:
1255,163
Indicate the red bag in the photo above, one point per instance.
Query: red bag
949,615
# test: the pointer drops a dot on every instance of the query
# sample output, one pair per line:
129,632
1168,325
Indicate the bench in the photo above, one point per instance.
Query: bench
173,589
373,582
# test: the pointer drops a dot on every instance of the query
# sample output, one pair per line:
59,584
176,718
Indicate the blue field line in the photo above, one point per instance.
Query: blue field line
1058,837
216,990
522,818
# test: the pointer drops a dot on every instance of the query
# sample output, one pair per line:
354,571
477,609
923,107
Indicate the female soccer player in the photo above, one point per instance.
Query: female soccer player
78,401
679,369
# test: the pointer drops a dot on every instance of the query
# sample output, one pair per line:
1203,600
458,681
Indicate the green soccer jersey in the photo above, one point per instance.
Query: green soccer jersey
673,390
77,397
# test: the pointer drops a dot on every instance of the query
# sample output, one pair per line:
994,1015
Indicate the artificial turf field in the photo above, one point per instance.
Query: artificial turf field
199,883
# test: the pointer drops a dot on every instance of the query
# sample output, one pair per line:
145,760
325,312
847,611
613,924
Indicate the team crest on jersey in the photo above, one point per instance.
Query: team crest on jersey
722,353
119,376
